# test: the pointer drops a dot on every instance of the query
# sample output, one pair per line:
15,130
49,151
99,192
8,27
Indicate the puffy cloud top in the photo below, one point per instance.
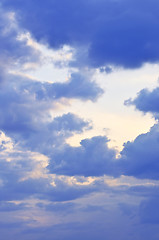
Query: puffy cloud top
140,157
146,101
92,158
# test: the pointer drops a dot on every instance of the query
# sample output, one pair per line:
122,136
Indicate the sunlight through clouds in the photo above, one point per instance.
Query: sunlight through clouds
79,130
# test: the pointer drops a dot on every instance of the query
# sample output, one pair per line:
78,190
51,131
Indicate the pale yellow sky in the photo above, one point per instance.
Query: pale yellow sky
109,115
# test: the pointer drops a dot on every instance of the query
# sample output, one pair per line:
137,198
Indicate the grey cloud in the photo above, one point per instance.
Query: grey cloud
92,158
140,157
78,86
19,180
122,33
146,101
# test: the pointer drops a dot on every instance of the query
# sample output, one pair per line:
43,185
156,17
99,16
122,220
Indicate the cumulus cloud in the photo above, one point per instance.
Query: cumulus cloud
92,158
23,175
79,86
25,116
146,101
26,105
139,158
41,176
122,33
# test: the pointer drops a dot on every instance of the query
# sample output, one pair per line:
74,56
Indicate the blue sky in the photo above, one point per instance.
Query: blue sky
79,111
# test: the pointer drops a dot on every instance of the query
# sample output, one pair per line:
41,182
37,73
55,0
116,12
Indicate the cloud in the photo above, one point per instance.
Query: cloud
24,101
26,105
148,211
47,187
58,207
14,49
105,216
92,158
139,158
23,176
10,207
25,108
79,86
146,101
106,69
69,122
128,209
53,202
148,206
121,33
49,135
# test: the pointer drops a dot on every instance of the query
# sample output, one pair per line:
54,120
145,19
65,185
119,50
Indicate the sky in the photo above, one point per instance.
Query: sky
79,119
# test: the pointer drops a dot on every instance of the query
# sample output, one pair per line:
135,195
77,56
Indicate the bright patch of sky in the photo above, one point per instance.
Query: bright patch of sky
79,131
109,115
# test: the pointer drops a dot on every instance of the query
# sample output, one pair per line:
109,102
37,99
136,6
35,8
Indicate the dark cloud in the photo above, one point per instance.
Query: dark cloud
92,158
122,33
23,176
99,212
41,188
103,33
69,122
140,157
51,135
146,101
26,105
79,86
